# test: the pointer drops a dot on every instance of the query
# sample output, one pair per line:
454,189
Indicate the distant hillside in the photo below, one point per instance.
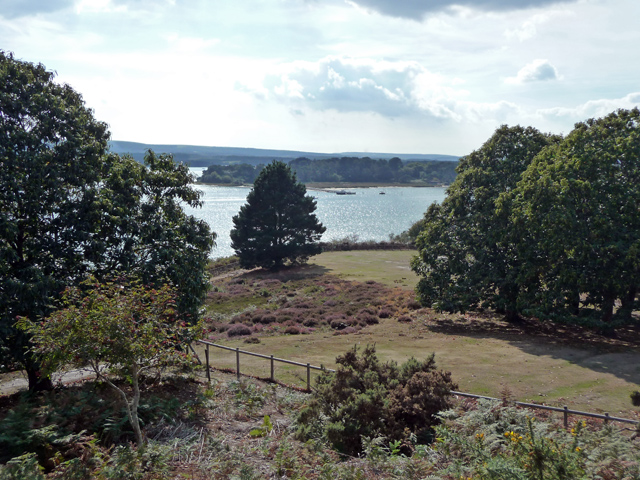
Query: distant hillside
199,156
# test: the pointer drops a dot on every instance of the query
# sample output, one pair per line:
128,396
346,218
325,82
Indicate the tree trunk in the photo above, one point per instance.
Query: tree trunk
133,408
607,307
628,302
37,382
574,303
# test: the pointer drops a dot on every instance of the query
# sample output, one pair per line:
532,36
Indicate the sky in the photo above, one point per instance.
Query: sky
397,76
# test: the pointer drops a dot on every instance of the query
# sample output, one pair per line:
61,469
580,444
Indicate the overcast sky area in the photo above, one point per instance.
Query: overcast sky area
398,76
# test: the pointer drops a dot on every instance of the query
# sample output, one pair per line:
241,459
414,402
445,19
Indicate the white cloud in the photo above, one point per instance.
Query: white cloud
537,71
387,89
526,31
190,44
592,108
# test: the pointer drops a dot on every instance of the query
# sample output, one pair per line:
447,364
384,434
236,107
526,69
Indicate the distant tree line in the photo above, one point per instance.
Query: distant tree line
343,169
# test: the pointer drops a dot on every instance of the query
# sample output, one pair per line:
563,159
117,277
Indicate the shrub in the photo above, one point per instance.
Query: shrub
310,322
292,330
405,319
339,322
413,305
367,319
267,319
367,398
238,330
384,313
346,331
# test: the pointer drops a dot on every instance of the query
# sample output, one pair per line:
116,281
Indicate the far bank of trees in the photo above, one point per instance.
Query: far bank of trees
540,225
344,169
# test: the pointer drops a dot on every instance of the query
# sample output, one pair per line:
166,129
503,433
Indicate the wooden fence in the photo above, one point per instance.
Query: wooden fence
564,410
271,358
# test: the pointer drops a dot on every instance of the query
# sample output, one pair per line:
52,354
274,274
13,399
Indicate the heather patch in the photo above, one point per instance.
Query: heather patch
321,301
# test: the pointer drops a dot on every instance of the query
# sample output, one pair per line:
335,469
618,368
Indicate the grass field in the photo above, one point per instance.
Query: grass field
485,355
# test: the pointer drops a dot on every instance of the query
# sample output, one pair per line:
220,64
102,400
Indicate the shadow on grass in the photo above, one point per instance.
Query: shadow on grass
618,355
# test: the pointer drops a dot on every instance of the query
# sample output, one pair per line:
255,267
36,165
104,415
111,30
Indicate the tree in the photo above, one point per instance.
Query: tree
466,250
277,223
68,209
116,328
578,203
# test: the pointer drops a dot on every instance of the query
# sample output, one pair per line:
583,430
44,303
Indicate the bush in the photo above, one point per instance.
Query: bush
367,319
292,330
367,398
238,330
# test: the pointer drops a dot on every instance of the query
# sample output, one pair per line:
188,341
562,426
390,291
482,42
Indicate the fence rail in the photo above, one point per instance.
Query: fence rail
271,358
564,410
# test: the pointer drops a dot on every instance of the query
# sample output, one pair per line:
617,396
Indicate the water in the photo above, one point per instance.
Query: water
366,215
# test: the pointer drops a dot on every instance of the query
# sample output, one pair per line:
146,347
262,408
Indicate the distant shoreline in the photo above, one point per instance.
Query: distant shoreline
342,185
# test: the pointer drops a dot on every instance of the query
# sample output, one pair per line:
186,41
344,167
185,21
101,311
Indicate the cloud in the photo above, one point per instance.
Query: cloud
592,108
537,71
526,31
23,8
388,89
418,9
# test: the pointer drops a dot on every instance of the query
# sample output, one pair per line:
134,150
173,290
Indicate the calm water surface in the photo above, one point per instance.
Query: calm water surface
366,215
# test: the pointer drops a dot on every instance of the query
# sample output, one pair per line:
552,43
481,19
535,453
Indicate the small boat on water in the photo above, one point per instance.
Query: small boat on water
383,193
344,192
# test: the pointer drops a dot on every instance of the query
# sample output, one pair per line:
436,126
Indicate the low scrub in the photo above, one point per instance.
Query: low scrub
318,301
366,398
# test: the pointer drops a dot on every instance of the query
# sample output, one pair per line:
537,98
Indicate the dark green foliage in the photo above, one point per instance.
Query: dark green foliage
578,204
56,421
467,247
240,174
540,225
277,223
368,398
51,158
345,169
353,169
69,209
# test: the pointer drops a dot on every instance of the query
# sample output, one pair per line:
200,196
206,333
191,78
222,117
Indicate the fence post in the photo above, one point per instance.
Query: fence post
206,355
606,419
308,377
238,363
273,379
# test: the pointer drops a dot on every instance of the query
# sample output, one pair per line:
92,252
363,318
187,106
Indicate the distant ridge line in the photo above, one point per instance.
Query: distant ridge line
196,155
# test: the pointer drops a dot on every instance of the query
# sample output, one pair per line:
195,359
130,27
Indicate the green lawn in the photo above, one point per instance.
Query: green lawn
490,361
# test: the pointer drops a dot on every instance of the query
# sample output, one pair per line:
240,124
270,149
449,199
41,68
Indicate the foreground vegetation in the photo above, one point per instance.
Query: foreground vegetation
247,430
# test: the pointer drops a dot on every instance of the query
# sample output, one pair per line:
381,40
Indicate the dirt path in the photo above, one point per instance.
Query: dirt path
14,382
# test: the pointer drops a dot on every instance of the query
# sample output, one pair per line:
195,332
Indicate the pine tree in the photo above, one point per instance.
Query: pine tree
277,223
